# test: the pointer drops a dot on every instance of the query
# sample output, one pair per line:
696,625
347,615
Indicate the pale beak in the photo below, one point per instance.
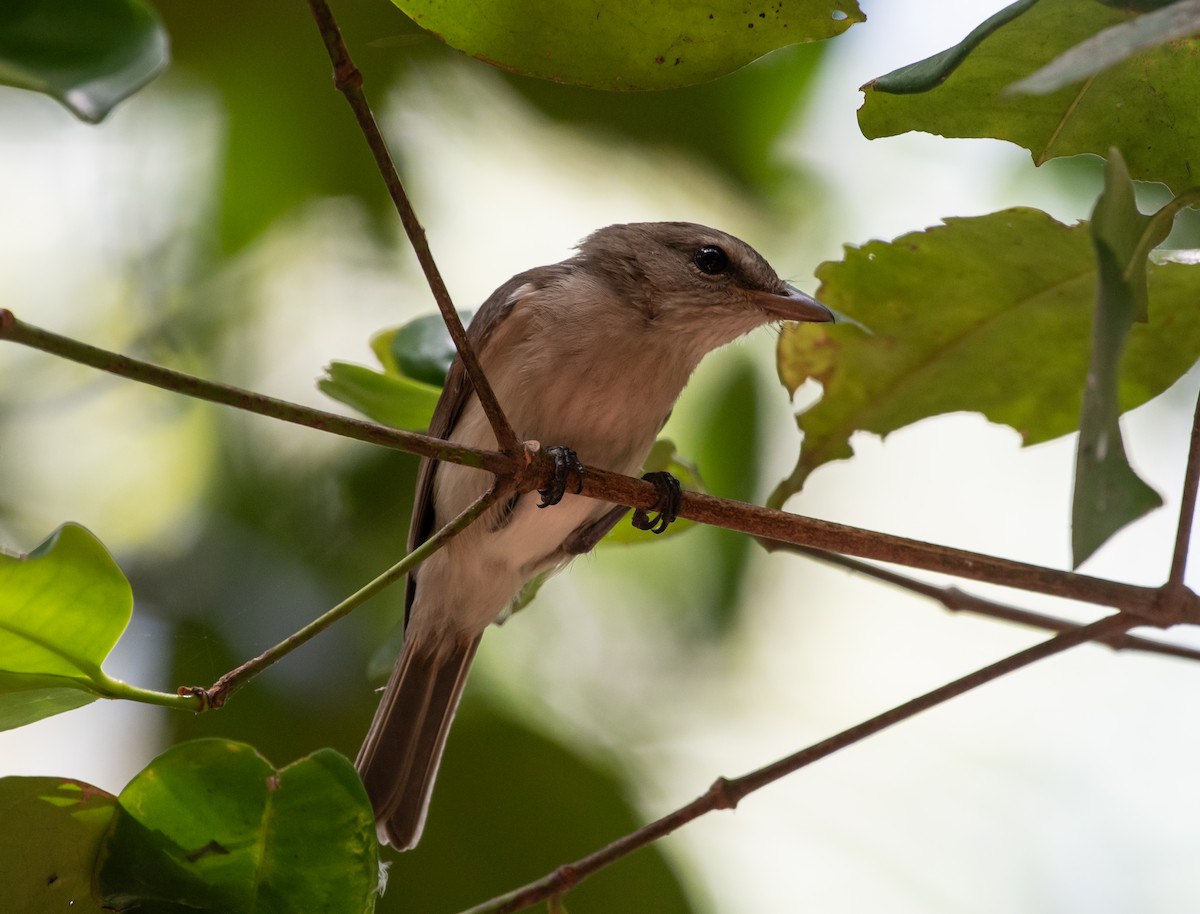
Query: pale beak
793,305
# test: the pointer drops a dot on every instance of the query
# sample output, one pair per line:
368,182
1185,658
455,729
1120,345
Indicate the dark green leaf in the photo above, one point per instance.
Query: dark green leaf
1108,493
62,609
628,44
48,858
87,54
1146,105
933,71
1112,46
422,349
961,315
211,825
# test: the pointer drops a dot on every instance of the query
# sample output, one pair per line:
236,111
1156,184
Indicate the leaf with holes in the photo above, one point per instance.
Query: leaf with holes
628,44
989,314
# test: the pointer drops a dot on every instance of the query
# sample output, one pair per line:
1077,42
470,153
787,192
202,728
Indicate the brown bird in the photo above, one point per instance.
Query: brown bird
588,355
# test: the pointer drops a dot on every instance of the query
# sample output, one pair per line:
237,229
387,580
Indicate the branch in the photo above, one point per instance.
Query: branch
348,80
219,692
956,600
726,794
1187,506
531,469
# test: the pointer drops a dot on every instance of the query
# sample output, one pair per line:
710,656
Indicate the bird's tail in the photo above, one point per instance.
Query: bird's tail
399,758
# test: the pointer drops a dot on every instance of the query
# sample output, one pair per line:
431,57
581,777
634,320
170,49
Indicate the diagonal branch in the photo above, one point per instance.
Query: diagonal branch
956,600
219,692
726,794
348,80
1187,505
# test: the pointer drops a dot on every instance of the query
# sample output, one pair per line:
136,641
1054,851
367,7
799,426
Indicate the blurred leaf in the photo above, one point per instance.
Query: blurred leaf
734,124
1146,105
422,349
989,314
1108,493
1112,46
627,44
933,71
47,861
513,803
392,400
211,825
289,137
87,54
62,609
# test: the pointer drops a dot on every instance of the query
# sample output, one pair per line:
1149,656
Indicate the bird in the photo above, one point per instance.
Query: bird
589,356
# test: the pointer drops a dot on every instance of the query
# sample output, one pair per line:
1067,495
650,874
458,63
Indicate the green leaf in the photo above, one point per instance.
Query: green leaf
628,44
1108,493
1146,105
211,825
62,609
87,54
390,399
1114,45
990,314
54,827
422,349
933,71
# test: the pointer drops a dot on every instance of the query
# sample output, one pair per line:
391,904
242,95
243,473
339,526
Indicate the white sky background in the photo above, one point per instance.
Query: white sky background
1066,787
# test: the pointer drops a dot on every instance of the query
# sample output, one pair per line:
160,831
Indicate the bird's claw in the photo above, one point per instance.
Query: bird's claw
670,498
565,463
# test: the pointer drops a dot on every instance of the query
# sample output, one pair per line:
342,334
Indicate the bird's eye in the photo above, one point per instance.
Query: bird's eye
711,259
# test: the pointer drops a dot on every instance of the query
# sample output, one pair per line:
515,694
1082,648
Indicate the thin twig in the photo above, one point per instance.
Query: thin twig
17,331
725,793
529,470
1187,506
956,600
348,80
219,692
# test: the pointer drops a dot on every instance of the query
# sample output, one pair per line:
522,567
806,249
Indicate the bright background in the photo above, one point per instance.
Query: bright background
227,221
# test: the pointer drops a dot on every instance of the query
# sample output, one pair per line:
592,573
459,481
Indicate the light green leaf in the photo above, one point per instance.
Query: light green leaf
87,54
1146,105
1112,46
392,400
628,44
52,836
1108,493
62,609
211,825
990,314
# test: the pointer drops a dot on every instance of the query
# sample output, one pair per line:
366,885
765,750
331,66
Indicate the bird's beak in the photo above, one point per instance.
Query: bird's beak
793,305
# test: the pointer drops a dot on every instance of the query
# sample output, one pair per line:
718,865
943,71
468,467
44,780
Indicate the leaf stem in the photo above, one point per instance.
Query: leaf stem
1154,229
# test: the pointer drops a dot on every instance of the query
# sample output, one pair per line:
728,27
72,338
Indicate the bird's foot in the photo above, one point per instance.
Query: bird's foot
670,497
565,463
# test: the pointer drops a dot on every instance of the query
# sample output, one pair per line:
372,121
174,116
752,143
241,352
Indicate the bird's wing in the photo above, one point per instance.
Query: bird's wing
455,394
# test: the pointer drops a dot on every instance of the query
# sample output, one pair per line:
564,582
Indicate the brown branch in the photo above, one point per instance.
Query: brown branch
727,793
348,80
531,469
216,695
1187,505
956,600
